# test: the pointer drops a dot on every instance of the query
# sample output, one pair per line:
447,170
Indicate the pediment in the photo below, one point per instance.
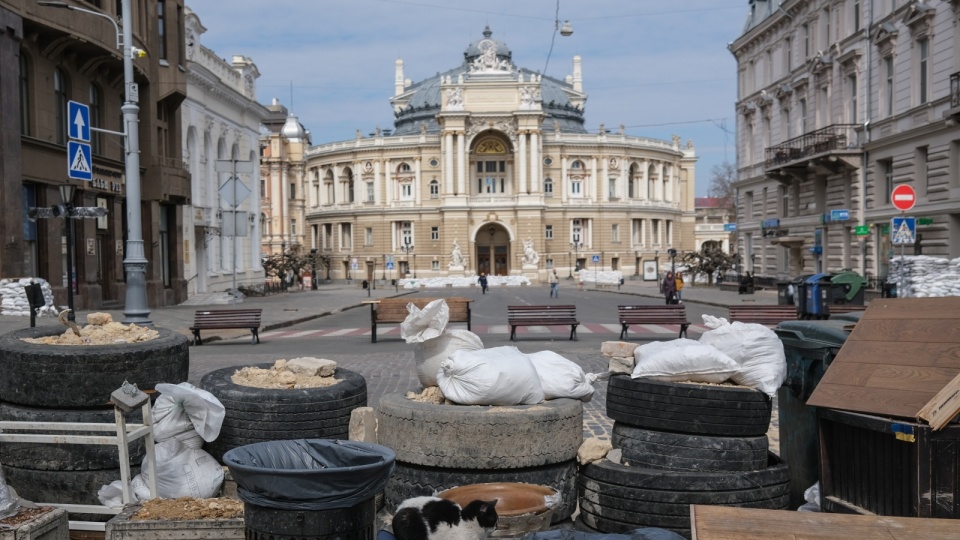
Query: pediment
919,17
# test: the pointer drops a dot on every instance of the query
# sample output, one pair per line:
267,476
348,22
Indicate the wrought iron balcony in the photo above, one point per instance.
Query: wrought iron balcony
955,90
800,151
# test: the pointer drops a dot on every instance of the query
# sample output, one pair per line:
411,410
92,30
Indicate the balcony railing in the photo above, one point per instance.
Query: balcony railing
828,139
955,90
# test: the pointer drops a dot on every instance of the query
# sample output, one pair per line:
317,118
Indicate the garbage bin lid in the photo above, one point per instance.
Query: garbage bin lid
816,278
813,334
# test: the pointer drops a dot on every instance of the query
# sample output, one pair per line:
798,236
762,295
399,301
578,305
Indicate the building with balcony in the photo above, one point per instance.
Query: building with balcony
490,169
283,143
63,55
839,101
221,119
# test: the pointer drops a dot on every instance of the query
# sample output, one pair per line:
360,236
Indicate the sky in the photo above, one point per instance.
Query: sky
659,67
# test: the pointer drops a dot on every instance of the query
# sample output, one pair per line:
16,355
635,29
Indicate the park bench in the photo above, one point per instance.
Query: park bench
667,314
394,310
562,315
219,319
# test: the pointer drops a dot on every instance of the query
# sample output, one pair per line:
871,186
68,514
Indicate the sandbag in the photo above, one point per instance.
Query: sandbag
757,350
681,360
425,324
428,354
187,413
497,376
184,472
560,377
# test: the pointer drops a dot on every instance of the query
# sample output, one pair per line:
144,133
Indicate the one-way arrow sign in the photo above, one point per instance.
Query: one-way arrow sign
78,121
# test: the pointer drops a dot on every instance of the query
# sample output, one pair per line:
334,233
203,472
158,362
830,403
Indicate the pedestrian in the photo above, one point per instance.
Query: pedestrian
482,280
679,281
554,284
746,284
669,288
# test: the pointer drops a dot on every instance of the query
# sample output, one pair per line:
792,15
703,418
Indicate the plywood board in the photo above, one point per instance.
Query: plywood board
898,357
724,523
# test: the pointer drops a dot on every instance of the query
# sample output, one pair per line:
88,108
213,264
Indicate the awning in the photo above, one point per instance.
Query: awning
789,241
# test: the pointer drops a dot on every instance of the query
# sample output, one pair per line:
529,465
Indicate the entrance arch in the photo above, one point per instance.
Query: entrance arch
492,242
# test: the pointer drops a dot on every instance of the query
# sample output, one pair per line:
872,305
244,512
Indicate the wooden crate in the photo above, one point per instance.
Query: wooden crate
50,525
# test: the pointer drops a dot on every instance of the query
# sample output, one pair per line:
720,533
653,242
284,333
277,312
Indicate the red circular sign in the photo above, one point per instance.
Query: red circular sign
903,197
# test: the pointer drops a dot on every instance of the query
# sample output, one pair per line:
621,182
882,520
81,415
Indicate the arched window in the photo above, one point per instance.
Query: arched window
434,189
577,164
403,168
548,187
60,104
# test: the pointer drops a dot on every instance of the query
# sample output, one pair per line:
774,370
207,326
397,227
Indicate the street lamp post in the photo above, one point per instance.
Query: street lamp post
407,249
135,309
673,260
576,255
313,268
66,194
636,263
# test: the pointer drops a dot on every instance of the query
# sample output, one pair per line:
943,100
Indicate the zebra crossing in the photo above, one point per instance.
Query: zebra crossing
636,331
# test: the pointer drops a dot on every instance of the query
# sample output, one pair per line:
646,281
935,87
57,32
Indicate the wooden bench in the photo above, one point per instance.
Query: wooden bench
666,314
562,315
394,310
227,319
766,315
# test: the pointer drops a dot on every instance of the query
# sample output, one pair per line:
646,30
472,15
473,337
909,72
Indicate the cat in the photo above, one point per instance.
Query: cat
433,518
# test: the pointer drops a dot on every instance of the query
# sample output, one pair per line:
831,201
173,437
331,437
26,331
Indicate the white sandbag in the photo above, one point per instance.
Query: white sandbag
560,377
184,471
111,495
755,348
682,360
497,376
188,413
428,354
427,323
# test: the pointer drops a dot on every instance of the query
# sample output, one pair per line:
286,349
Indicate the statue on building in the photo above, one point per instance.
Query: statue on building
530,255
622,130
456,257
455,99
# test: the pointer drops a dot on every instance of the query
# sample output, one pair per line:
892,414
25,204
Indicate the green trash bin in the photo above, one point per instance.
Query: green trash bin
847,287
810,347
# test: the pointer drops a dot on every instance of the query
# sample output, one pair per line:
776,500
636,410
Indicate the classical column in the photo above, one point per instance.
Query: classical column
624,180
416,180
643,232
659,232
522,164
388,181
447,163
377,181
643,183
535,176
594,196
461,164
563,180
605,176
659,186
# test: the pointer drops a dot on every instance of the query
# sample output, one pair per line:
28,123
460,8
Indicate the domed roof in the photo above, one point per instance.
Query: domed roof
292,129
424,101
480,46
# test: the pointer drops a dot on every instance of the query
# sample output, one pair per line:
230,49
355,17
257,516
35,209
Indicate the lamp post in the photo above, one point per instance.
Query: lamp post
753,263
66,194
313,268
407,249
135,309
576,254
636,263
673,260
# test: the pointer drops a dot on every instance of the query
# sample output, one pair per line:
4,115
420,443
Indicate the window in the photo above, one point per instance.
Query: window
351,194
856,15
748,204
852,96
346,232
491,176
826,29
548,232
263,188
549,264
788,54
803,116
368,236
888,86
784,201
576,165
435,266
576,235
548,187
575,187
293,227
370,192
615,233
920,168
331,193
60,97
293,190
406,233
612,188
805,36
24,96
434,189
161,28
406,191
886,172
435,233
403,168
923,69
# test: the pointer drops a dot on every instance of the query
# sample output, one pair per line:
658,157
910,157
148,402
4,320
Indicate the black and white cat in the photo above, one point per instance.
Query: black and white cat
433,518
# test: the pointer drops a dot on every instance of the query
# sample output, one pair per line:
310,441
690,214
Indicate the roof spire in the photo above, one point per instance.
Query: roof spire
487,32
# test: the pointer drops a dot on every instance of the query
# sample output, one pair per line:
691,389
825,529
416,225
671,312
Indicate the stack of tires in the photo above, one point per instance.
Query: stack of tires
63,383
254,415
440,447
681,444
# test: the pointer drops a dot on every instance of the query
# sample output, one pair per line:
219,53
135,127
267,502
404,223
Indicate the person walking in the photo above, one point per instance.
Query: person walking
554,281
482,280
669,288
679,281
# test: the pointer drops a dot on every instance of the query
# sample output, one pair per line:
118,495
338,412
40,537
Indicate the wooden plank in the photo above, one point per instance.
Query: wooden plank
944,355
903,403
913,308
731,523
943,407
940,331
892,376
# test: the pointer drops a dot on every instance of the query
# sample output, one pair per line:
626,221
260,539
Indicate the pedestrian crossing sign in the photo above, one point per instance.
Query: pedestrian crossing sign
79,165
904,230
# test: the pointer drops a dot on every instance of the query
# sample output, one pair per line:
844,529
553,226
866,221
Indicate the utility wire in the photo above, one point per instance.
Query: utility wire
553,38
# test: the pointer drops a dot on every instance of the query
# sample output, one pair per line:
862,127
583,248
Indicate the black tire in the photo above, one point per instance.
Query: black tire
696,409
65,457
415,481
255,415
83,377
65,487
618,498
681,452
480,437
354,523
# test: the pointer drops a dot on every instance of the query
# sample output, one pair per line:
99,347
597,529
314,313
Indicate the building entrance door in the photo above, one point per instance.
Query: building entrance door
493,251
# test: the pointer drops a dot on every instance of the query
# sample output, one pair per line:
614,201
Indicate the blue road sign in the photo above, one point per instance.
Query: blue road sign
390,265
903,230
78,121
79,165
596,258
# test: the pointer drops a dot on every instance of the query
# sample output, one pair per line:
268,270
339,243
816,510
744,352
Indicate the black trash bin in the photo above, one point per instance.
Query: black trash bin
785,293
310,489
810,347
800,294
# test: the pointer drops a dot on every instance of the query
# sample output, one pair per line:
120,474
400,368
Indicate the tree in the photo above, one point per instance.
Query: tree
709,261
721,184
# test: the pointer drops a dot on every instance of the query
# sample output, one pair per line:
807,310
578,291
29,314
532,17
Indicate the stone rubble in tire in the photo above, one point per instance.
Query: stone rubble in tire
100,330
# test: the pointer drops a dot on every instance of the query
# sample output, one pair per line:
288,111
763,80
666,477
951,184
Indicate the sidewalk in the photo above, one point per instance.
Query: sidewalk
290,308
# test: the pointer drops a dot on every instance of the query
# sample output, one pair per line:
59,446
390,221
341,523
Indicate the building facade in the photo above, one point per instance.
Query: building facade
716,217
283,143
63,55
490,169
839,102
221,119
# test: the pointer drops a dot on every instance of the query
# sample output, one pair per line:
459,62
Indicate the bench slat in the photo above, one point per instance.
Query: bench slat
394,310
666,314
561,315
225,319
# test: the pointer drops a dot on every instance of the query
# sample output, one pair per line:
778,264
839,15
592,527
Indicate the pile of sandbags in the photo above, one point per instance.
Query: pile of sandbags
14,297
923,276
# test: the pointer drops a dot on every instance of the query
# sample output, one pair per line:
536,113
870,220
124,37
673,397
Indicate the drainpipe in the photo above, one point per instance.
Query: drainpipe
862,187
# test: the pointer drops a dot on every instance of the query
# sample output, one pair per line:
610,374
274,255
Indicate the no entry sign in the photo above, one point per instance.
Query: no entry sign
903,197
